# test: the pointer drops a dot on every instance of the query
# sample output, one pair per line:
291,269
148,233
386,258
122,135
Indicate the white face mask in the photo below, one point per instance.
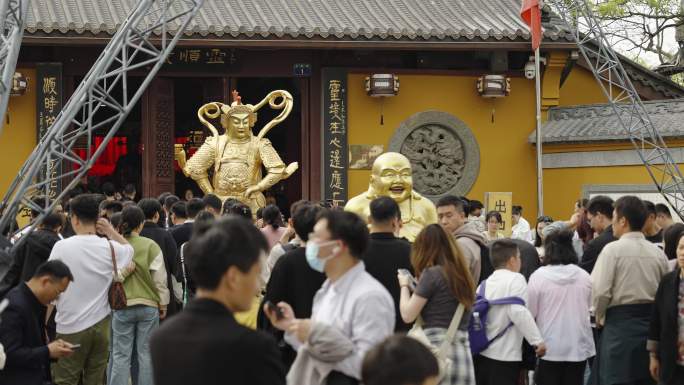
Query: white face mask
312,258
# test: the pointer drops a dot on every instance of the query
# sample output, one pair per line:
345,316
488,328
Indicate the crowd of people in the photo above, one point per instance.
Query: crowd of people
114,290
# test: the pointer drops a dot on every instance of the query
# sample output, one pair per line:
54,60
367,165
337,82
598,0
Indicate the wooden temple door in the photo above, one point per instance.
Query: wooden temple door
158,125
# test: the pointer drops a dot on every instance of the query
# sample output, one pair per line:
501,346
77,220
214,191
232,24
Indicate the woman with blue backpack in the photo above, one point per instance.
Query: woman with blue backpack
441,302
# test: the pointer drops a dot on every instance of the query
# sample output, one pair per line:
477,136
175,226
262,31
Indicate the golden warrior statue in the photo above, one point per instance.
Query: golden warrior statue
392,176
237,155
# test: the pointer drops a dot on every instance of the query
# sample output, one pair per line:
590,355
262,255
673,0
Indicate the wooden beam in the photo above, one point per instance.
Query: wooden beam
417,45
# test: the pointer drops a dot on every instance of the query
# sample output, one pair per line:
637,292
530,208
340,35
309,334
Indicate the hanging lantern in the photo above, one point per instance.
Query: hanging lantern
19,84
493,86
382,85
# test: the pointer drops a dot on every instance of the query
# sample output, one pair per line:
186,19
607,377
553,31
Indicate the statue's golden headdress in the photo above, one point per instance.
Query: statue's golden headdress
215,109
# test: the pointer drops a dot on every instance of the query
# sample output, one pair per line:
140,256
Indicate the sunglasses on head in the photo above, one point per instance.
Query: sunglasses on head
545,219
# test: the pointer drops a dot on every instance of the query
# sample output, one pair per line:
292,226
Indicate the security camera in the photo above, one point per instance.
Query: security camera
530,71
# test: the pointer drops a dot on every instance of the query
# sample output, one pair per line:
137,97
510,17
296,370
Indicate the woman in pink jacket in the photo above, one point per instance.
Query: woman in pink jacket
559,299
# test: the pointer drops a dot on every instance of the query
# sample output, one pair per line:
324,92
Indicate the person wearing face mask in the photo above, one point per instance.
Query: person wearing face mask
352,309
386,253
292,279
204,344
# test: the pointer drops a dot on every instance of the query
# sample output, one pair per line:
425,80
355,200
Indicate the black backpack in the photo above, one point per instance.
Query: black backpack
486,267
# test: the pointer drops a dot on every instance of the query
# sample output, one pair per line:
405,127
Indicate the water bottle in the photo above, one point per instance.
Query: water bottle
477,324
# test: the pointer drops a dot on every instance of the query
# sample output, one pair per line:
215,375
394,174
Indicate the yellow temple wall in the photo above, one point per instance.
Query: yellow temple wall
18,137
563,186
501,128
507,159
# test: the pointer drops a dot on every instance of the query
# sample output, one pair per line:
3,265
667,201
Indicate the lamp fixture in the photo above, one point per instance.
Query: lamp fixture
493,86
382,85
19,84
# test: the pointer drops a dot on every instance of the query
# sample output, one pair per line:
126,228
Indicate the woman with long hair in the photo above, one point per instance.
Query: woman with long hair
273,228
584,231
666,333
559,298
444,283
542,222
147,296
671,238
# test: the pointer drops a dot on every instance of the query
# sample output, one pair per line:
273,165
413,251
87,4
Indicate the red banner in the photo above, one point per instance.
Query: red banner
531,14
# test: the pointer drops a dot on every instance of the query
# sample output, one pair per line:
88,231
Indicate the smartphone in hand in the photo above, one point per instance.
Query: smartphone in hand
275,309
412,280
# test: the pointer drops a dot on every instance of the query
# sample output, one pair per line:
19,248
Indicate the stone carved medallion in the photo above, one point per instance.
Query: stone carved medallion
444,154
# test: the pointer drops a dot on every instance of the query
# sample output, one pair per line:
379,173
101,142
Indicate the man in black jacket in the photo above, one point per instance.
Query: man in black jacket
204,344
153,211
213,204
33,252
664,337
386,253
292,279
22,331
183,216
600,215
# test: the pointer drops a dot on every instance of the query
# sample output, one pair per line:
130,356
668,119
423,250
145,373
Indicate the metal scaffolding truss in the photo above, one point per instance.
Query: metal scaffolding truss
623,97
100,103
12,17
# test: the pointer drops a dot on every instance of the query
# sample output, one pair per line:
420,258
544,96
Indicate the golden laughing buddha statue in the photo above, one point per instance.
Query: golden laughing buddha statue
238,155
392,176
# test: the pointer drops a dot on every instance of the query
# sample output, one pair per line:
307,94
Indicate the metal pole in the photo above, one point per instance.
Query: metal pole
540,182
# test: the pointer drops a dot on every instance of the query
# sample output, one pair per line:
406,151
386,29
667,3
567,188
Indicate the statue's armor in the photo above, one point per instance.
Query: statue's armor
237,167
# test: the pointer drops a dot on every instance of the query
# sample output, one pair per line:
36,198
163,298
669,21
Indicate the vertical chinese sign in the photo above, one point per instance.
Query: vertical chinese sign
503,203
335,153
48,105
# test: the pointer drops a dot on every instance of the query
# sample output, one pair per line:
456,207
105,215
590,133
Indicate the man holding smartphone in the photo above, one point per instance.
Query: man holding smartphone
22,331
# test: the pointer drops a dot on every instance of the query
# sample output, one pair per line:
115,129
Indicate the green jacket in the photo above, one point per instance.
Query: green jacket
140,285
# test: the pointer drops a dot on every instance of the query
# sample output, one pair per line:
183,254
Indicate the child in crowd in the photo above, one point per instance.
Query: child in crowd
499,364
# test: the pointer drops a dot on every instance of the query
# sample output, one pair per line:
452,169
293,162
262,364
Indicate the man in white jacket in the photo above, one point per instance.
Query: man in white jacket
521,227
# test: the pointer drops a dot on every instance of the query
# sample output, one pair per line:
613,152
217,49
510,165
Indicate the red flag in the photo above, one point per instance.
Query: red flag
531,14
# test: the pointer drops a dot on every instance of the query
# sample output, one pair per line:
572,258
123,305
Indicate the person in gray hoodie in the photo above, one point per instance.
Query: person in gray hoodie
451,213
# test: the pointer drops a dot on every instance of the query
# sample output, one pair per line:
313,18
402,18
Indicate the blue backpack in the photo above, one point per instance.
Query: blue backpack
477,328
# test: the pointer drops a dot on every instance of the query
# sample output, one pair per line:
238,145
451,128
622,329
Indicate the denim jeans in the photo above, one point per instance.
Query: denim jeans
132,325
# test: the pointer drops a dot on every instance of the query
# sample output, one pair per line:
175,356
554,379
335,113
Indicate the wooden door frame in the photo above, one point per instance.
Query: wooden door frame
310,139
156,146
